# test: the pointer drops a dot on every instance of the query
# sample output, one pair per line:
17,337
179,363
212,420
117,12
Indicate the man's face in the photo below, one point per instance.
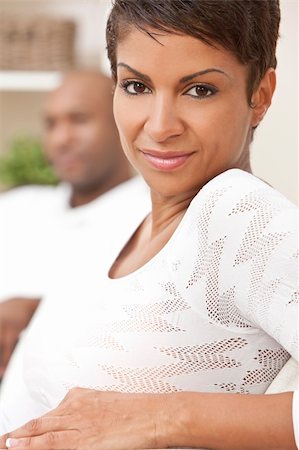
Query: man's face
81,140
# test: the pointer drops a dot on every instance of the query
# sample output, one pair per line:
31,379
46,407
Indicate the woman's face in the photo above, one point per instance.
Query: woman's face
181,110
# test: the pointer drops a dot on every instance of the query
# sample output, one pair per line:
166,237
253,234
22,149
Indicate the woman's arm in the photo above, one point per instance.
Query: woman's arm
92,420
235,421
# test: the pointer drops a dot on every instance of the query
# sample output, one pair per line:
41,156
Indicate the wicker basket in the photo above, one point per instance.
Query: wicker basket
36,43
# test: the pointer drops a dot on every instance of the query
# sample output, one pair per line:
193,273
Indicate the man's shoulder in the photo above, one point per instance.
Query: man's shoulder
134,186
32,201
30,194
133,191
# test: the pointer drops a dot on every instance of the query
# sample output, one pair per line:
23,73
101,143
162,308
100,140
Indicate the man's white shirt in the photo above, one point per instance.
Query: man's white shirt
41,235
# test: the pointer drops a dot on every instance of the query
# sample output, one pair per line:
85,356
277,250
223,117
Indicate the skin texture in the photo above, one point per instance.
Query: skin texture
90,420
82,144
216,131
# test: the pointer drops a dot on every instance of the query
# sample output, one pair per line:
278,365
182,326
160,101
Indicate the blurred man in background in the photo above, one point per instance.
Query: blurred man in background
46,230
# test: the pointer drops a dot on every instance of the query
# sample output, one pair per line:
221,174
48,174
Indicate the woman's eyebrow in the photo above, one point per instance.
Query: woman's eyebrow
202,72
134,71
182,80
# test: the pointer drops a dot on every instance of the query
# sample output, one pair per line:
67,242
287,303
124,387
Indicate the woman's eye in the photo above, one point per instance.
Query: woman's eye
135,88
200,91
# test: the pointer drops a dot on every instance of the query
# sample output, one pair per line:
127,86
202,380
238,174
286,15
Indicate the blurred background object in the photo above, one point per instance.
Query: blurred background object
24,163
39,41
275,147
36,43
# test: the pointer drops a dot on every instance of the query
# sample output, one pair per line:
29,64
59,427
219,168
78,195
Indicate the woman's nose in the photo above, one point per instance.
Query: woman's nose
163,121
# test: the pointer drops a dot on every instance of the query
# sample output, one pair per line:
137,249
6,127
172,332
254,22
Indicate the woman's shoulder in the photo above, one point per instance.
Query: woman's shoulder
243,191
238,202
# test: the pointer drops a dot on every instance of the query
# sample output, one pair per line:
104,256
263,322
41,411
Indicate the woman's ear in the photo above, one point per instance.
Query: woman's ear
262,96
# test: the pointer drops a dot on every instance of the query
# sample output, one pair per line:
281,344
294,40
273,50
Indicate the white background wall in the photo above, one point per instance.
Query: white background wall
275,148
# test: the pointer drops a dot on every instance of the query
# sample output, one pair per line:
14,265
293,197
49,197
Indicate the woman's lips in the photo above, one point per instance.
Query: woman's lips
167,160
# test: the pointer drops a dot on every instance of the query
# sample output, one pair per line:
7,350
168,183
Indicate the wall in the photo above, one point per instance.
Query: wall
275,147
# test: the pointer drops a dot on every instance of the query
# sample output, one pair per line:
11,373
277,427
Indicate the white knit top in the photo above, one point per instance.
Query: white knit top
215,310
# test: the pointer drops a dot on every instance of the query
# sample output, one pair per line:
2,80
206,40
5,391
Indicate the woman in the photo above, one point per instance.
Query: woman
200,303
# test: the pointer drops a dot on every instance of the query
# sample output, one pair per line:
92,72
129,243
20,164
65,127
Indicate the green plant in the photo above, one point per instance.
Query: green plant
24,163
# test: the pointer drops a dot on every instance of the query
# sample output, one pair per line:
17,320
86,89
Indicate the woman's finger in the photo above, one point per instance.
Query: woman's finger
35,427
53,440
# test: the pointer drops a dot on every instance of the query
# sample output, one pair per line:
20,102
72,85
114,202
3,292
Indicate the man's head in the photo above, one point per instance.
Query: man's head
81,139
247,28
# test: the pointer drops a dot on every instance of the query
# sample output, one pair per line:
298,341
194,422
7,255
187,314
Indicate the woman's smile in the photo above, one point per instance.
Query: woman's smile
166,160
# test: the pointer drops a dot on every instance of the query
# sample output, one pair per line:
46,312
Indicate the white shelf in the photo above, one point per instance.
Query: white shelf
29,81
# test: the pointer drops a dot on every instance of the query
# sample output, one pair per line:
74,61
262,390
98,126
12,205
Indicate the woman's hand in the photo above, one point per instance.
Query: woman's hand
93,420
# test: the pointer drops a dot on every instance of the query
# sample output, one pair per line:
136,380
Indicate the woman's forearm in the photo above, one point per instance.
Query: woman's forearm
94,420
231,421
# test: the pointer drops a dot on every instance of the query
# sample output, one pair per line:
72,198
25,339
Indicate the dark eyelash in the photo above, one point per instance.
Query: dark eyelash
125,83
213,89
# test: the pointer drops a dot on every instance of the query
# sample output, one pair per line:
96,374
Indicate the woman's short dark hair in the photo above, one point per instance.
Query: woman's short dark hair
247,28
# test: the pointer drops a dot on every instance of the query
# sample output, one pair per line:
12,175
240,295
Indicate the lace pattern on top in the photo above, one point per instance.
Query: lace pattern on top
214,311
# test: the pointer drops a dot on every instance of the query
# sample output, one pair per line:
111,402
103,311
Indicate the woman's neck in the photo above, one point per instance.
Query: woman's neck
167,212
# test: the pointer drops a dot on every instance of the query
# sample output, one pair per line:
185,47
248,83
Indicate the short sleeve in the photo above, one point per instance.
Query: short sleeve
269,248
